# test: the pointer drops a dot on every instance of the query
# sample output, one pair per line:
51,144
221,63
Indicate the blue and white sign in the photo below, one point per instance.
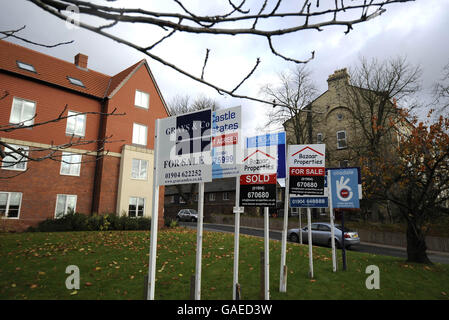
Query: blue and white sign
344,188
268,140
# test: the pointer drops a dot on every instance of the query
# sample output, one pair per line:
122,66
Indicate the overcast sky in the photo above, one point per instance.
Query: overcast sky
417,30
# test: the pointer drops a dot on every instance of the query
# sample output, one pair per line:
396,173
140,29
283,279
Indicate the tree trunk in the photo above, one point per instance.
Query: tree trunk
416,244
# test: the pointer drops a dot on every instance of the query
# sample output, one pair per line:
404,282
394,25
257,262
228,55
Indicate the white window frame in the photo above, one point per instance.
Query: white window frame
76,116
226,195
172,199
139,102
73,164
139,175
345,140
138,137
211,196
195,197
23,122
137,207
319,138
8,202
15,167
181,200
65,204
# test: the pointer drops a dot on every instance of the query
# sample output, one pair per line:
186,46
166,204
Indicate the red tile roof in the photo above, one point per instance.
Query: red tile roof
55,71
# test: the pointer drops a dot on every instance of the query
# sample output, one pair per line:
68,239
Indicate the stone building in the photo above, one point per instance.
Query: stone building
339,118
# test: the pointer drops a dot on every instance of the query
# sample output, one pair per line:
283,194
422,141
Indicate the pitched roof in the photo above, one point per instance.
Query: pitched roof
57,72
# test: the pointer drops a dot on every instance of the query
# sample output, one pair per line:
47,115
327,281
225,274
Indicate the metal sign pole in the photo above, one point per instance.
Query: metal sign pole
237,210
283,276
154,220
199,241
309,229
300,225
267,252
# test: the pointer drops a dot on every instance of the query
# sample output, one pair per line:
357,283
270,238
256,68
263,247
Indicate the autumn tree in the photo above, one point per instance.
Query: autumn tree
416,180
376,87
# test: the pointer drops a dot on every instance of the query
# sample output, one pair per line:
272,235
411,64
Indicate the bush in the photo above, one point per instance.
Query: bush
81,222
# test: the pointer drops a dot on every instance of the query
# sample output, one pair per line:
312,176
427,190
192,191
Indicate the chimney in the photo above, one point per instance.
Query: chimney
338,79
81,61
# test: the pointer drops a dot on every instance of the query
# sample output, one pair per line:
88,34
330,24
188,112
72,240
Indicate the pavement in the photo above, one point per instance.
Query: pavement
373,248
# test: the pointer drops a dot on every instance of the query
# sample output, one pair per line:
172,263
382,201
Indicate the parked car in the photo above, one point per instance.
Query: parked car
187,215
321,235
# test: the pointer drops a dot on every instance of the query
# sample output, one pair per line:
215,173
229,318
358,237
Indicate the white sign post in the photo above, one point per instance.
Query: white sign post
307,171
226,154
283,276
331,214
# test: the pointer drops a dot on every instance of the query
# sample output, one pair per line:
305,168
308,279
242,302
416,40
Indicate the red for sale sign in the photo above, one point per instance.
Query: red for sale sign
307,169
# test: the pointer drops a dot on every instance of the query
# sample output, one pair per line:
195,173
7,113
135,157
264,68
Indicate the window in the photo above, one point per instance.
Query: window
76,82
225,195
181,200
26,66
76,124
136,207
10,204
70,164
139,169
139,134
344,163
340,116
172,199
14,160
195,197
323,227
319,138
142,99
211,196
341,140
22,112
65,204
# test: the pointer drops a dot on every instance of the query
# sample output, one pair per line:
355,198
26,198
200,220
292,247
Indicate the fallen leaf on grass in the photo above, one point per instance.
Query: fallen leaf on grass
73,293
443,293
88,284
33,286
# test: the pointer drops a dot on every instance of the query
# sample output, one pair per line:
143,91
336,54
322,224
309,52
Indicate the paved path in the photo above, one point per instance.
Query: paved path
436,257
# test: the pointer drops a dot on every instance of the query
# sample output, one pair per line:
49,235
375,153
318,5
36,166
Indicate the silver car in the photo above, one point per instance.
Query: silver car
321,235
187,215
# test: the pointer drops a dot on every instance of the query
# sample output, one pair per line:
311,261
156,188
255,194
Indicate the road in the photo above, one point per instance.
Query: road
436,257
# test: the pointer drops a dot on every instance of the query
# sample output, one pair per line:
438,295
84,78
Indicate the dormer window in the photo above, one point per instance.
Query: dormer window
26,66
76,82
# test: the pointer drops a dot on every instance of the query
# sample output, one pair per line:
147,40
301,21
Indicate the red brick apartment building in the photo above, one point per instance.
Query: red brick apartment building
35,88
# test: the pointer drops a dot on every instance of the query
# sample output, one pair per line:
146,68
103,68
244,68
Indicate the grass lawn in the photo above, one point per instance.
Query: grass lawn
113,265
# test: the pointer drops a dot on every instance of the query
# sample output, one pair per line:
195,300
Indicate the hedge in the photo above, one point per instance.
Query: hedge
82,222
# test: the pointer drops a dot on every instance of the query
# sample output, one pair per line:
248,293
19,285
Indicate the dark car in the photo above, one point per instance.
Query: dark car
187,215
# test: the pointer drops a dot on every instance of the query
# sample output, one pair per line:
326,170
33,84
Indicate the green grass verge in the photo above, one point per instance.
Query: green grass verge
113,265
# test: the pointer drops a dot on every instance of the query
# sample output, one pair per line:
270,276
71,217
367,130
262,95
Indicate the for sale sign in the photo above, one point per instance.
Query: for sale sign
226,142
184,149
306,169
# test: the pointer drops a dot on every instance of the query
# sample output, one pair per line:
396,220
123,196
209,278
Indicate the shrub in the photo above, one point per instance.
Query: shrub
81,222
